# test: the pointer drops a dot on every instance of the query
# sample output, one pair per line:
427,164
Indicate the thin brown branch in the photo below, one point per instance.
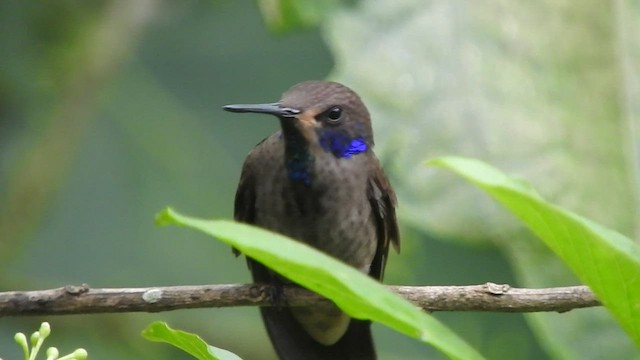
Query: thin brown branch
85,300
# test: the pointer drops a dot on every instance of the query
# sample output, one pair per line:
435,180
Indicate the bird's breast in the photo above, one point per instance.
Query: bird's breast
332,213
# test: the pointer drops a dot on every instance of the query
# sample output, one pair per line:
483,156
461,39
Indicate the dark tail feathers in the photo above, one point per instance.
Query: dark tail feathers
292,342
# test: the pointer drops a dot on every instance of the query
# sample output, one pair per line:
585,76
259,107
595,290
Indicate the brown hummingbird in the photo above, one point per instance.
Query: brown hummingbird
318,181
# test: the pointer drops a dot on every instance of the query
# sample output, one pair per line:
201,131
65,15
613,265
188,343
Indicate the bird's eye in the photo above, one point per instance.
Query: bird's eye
334,114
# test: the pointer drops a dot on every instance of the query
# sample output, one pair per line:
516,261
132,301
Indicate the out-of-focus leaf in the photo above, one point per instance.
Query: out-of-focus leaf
284,15
487,81
355,293
190,343
547,90
605,260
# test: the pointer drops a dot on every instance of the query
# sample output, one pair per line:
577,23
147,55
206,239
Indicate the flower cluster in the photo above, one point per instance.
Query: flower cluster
36,341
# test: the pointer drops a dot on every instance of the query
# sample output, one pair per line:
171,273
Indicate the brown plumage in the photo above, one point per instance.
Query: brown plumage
318,181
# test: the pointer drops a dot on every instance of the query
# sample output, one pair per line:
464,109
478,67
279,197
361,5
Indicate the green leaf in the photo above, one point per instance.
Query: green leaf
284,15
355,293
608,262
190,343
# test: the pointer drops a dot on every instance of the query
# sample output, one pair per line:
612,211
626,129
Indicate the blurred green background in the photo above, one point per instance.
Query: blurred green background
110,110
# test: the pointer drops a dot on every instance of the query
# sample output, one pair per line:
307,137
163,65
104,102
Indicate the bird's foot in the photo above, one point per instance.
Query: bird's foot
276,294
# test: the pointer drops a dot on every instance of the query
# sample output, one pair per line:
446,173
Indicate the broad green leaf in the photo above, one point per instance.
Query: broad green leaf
355,293
190,343
605,260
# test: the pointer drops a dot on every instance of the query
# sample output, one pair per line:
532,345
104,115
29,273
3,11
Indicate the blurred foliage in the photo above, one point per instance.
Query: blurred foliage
287,15
136,126
110,110
545,90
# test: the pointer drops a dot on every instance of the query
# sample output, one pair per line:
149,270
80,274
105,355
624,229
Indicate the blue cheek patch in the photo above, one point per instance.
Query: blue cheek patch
340,145
356,146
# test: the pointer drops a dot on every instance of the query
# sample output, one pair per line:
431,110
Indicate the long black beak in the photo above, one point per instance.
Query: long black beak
273,109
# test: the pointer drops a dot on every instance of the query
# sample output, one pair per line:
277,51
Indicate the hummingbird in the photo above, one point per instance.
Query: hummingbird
318,181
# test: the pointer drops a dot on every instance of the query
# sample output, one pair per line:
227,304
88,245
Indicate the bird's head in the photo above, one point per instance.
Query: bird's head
324,113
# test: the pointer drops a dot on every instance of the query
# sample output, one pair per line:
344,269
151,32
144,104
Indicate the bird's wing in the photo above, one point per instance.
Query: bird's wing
383,205
244,209
245,201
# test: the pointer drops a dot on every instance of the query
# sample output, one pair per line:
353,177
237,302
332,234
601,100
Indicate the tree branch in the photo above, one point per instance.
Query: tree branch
84,300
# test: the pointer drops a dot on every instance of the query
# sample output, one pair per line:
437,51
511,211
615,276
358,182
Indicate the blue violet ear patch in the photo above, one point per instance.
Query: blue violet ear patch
341,145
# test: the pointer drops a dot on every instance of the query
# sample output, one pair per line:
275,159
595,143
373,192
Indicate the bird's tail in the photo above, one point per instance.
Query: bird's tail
292,342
